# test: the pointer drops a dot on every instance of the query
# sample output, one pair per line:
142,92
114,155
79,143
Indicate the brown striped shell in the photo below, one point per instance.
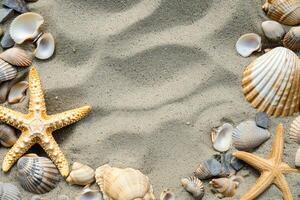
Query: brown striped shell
7,71
16,56
291,40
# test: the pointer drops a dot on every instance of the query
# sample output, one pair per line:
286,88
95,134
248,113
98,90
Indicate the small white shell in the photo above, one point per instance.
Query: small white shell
25,27
7,71
45,46
18,92
292,39
194,186
16,56
297,158
222,137
9,191
89,194
247,44
273,30
81,174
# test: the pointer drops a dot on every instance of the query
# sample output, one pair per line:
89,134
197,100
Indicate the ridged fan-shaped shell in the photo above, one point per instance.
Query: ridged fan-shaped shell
194,186
7,71
208,168
9,191
81,174
16,56
271,82
295,130
291,40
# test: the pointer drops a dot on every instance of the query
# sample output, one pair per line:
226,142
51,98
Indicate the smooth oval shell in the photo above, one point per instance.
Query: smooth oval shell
45,46
167,194
273,30
123,184
297,158
37,174
16,56
292,39
8,135
7,71
18,92
271,82
25,27
81,174
9,191
295,130
248,43
247,136
208,168
89,194
225,187
194,186
222,137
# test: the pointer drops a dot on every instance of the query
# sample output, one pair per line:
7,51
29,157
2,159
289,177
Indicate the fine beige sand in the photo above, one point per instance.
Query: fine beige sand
159,75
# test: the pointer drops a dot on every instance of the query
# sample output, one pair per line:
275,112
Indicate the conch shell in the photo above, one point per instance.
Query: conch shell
194,186
225,187
81,174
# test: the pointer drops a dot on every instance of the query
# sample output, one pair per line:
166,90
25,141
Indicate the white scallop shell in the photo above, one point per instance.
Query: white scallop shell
7,71
45,46
292,39
295,130
9,191
273,30
222,137
271,82
248,43
297,158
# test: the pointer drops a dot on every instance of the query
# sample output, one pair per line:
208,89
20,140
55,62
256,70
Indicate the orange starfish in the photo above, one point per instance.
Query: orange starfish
272,169
37,126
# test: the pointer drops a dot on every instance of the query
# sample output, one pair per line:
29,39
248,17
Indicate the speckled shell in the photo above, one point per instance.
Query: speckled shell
8,135
271,82
123,184
208,168
81,174
291,40
225,187
221,137
9,191
194,186
7,71
284,11
295,130
16,56
167,194
37,174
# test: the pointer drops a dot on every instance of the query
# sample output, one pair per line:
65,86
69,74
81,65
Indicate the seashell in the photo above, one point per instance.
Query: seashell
297,158
7,41
248,43
45,46
229,164
8,135
292,39
262,120
7,71
295,130
81,174
16,56
273,30
283,11
119,184
18,92
221,137
25,27
271,82
194,186
247,136
5,14
89,194
167,194
207,169
9,191
17,5
225,187
37,174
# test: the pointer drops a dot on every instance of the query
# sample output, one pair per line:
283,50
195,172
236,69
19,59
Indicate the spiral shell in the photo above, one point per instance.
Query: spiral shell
167,194
121,184
222,137
9,191
208,168
16,56
7,71
225,187
292,39
81,174
8,135
194,186
37,174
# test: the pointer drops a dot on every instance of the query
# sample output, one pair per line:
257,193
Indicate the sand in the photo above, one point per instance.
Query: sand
159,75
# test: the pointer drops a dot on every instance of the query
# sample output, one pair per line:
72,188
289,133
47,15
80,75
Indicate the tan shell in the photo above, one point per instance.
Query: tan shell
271,82
16,56
123,184
8,135
292,39
45,46
225,187
81,174
194,186
295,130
297,158
167,194
18,92
283,11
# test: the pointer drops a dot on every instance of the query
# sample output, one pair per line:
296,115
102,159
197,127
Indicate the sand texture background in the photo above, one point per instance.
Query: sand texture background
159,75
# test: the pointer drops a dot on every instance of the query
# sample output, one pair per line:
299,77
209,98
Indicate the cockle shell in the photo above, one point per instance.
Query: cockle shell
292,39
9,191
248,43
222,137
81,174
283,11
225,187
123,184
18,92
89,194
7,71
297,158
25,27
271,82
295,130
273,30
208,168
167,194
16,56
8,135
194,186
45,46
247,136
37,174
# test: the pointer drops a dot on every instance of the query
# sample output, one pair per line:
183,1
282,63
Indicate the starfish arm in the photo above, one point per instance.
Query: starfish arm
36,95
12,117
253,160
69,117
277,146
282,184
52,149
285,168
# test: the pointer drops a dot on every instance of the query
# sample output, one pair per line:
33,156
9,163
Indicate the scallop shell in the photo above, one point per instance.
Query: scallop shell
295,130
271,82
123,184
208,168
248,43
81,174
247,136
45,46
25,27
167,194
225,187
8,135
292,39
222,137
297,158
194,186
9,191
89,194
18,92
273,30
16,56
37,174
7,71
283,11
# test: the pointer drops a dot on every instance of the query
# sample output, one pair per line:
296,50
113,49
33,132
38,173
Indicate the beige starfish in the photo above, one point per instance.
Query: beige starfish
37,126
272,169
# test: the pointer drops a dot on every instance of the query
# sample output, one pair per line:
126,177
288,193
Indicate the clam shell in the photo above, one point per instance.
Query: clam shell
194,186
297,158
225,187
89,194
248,43
8,135
18,92
167,194
17,5
295,130
208,168
221,137
81,174
45,46
247,136
16,56
25,27
7,71
9,191
283,11
37,174
292,39
273,30
271,82
123,184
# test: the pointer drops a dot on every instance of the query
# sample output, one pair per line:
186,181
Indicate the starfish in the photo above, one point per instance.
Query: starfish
37,127
272,169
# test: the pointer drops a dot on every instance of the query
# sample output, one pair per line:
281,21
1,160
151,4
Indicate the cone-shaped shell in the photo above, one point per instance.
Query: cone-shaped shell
292,39
81,174
167,194
295,130
16,56
273,30
123,184
9,191
8,135
208,168
7,71
18,92
226,187
283,11
37,174
222,137
248,43
297,158
45,46
271,82
194,186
